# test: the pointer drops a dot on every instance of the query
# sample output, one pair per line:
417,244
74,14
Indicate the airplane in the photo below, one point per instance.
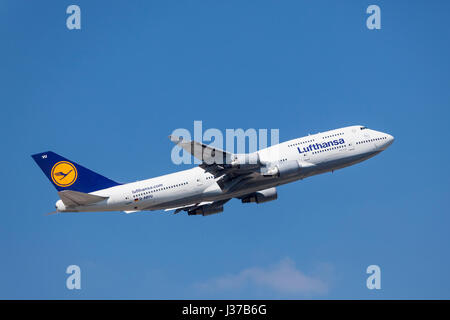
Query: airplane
221,176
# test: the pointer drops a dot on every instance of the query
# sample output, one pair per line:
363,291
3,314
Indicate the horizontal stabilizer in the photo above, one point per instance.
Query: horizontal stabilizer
72,198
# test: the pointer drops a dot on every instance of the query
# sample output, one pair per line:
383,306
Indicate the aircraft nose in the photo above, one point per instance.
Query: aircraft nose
389,140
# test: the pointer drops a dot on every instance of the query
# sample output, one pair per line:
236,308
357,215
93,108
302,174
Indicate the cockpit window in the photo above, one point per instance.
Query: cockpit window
363,128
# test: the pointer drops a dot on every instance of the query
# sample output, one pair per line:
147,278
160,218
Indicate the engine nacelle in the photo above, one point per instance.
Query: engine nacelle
246,161
206,210
282,169
261,196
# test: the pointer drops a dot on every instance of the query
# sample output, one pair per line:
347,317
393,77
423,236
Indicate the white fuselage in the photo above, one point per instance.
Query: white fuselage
316,153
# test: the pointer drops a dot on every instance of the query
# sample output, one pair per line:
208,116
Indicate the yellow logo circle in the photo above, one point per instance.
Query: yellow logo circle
64,174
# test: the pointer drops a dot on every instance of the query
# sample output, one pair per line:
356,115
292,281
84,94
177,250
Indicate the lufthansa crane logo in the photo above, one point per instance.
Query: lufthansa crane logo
64,174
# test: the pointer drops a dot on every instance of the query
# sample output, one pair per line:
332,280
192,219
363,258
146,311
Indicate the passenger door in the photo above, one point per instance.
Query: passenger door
306,156
351,140
200,180
351,144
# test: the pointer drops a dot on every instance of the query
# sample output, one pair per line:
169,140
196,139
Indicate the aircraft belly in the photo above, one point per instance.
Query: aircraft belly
264,183
192,199
214,193
340,163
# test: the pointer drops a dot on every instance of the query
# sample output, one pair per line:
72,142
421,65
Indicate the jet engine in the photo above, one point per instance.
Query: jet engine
282,169
261,196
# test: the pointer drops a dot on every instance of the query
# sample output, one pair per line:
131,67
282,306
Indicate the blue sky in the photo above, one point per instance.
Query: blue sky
108,95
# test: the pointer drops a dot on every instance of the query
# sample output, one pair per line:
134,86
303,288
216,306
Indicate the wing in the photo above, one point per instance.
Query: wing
219,162
209,156
230,170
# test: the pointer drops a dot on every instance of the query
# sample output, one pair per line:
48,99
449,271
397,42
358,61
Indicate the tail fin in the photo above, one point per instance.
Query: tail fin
68,175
